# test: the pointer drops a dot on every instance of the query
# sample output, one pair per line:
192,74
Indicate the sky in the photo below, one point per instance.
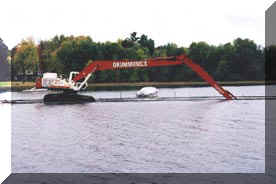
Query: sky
165,21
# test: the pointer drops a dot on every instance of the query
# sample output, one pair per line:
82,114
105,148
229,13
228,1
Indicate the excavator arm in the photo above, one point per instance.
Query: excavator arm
125,64
154,62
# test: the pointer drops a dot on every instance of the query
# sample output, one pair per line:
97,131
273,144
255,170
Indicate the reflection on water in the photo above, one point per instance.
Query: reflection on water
149,137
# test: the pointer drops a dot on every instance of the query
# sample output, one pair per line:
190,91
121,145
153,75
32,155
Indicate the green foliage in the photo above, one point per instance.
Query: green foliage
76,52
223,70
25,58
147,43
245,55
240,60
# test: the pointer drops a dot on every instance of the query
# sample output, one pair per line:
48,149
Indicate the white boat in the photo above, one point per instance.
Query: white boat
147,92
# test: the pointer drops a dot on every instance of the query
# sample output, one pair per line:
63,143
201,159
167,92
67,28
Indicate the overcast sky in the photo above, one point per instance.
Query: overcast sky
178,21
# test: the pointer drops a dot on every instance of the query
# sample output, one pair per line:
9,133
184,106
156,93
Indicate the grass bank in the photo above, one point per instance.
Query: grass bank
17,86
5,84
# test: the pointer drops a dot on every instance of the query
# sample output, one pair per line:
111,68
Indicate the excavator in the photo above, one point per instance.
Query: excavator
77,81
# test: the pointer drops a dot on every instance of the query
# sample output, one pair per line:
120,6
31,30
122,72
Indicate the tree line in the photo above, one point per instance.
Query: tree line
239,60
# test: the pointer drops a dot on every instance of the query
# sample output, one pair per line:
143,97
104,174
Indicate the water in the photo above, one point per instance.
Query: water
143,137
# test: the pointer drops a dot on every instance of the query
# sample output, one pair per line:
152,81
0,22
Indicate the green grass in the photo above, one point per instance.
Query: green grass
5,84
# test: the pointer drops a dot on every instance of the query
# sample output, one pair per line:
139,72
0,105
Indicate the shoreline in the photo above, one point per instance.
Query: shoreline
17,86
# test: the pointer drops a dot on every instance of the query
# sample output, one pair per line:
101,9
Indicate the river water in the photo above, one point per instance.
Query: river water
208,136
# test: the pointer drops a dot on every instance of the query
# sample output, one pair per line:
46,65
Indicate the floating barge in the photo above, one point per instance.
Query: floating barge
158,99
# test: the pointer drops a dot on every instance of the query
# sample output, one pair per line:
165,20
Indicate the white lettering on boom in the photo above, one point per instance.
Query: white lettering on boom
130,64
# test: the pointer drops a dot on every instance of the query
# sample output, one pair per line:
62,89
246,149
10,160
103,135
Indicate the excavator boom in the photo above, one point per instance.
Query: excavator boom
153,62
78,80
125,64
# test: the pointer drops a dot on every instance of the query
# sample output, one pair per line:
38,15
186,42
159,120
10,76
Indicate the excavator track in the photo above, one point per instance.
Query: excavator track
67,98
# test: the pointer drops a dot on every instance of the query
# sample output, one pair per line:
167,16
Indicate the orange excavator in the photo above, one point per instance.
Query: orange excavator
78,80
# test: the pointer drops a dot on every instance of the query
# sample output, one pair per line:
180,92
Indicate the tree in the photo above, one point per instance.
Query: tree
147,43
133,36
76,52
127,43
26,58
245,57
223,70
200,52
143,41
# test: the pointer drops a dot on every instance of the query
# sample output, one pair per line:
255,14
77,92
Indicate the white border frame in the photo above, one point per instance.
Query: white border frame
5,141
